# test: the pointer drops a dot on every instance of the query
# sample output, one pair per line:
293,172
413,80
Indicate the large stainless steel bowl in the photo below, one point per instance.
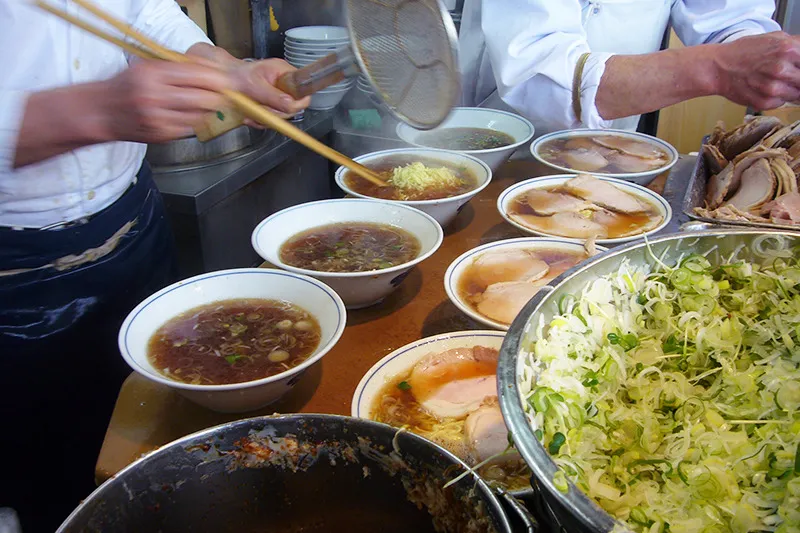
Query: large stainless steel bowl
191,152
309,473
575,511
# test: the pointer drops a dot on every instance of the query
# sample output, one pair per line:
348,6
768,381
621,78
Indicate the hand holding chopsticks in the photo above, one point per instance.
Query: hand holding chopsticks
143,46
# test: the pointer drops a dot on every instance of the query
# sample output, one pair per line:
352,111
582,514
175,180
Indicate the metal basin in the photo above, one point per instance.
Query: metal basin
573,510
190,151
309,473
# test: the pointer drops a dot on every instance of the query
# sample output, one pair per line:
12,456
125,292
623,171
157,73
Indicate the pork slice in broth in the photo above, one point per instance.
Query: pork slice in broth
509,265
544,202
453,383
503,301
570,225
485,432
583,159
604,194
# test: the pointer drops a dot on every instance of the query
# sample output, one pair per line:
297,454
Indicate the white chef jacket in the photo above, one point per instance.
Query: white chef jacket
527,49
37,52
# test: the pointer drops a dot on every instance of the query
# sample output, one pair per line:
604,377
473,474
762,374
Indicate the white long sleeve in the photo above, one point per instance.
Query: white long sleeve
40,52
534,45
164,22
703,21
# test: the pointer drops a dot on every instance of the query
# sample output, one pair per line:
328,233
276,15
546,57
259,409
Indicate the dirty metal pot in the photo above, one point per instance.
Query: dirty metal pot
309,473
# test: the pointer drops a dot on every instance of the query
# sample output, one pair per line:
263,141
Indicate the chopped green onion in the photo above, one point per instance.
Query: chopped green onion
555,445
404,385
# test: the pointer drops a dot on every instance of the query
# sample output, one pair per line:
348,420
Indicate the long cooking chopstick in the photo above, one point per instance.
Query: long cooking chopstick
149,49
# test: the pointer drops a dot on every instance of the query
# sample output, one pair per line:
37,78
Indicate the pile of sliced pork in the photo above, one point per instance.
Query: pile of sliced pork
754,171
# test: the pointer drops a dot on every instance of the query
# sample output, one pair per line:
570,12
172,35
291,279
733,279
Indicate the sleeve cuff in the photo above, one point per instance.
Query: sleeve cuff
738,34
12,111
592,73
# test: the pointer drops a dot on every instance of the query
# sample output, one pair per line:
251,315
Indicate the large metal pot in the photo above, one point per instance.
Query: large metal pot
308,473
574,511
190,150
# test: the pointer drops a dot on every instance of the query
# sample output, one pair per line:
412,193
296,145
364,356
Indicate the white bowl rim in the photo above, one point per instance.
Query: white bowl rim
516,243
313,358
340,172
318,274
292,32
623,175
375,369
557,179
403,127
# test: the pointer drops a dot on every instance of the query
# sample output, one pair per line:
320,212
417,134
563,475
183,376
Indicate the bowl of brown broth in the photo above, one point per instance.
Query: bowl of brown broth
437,182
490,135
233,340
363,249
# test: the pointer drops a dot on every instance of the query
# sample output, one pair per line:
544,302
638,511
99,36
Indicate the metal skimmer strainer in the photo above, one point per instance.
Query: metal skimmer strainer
408,51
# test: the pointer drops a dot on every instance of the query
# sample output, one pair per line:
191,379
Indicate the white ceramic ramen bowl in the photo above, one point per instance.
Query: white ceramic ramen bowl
317,34
401,360
545,182
357,289
641,178
444,210
454,273
310,294
477,117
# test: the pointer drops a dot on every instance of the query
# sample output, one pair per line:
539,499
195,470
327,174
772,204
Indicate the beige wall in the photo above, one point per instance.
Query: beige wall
684,125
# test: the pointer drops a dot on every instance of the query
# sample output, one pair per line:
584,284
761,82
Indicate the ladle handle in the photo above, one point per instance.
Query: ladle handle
316,76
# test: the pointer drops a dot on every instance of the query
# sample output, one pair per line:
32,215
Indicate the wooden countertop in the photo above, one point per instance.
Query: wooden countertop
148,415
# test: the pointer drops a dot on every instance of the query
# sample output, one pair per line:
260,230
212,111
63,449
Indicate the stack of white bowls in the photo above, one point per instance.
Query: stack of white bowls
306,44
365,88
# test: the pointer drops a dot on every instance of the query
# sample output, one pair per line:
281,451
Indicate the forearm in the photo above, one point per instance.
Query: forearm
60,120
636,84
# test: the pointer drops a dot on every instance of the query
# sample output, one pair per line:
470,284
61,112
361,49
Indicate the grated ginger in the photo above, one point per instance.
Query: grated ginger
418,177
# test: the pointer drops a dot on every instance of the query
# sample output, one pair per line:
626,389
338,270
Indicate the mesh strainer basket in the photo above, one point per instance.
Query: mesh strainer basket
406,49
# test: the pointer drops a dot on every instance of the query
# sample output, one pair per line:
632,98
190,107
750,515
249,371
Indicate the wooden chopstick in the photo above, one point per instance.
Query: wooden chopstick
150,49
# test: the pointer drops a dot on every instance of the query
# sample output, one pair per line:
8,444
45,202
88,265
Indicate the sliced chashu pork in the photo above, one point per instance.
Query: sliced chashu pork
571,225
544,202
714,159
583,159
633,163
485,432
508,265
453,383
784,209
503,301
623,227
757,187
628,146
727,181
747,135
604,194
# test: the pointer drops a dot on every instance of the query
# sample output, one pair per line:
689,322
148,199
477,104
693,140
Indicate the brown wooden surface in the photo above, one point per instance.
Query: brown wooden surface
148,415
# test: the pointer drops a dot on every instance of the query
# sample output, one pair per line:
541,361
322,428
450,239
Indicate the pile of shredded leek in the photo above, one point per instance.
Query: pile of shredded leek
418,177
671,394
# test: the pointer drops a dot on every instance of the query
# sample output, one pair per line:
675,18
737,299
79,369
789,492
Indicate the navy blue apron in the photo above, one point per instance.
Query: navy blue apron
60,368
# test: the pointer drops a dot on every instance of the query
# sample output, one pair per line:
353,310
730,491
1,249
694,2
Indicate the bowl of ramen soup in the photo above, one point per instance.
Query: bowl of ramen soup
583,206
629,156
362,249
488,134
233,340
444,388
437,182
492,282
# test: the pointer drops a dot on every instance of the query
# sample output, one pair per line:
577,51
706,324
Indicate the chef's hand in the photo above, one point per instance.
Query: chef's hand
157,101
256,79
761,71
